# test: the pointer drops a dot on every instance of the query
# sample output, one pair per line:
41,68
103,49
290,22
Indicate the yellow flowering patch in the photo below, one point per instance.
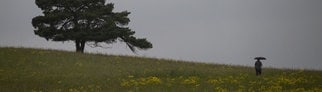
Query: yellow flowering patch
191,80
152,80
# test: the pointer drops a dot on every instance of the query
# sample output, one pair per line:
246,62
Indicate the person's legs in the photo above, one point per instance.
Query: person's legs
258,71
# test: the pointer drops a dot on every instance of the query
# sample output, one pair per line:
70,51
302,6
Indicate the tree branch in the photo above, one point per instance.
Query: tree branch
95,45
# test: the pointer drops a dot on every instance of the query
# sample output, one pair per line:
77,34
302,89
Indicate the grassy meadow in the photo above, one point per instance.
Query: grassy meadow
35,70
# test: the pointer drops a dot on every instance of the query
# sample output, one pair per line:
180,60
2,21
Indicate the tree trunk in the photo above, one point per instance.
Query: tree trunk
80,45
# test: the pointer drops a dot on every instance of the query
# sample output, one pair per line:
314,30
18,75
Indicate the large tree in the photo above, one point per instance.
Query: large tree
85,21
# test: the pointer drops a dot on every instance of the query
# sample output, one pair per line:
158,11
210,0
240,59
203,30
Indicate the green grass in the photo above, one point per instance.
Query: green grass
34,70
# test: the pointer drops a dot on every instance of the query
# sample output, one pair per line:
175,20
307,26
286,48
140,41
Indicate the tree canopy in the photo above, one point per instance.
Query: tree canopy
84,21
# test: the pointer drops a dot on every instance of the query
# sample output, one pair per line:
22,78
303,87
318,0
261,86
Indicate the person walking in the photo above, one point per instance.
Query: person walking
258,67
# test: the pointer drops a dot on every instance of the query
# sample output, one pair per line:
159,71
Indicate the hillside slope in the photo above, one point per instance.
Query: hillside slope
35,70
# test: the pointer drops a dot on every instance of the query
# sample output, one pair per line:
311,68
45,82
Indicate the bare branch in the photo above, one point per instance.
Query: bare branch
95,45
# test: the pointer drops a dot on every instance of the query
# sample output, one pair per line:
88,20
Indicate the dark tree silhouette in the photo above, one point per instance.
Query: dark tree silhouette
85,21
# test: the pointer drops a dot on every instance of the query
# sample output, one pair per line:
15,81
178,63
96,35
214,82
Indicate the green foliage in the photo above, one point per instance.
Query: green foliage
85,21
33,70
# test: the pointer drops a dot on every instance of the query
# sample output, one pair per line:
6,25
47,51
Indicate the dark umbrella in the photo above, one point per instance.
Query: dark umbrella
260,58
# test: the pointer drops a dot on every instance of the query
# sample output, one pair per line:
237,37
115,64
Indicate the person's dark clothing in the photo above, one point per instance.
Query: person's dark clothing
258,67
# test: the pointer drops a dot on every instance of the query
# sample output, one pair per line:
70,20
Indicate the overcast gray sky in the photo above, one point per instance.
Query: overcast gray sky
287,32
